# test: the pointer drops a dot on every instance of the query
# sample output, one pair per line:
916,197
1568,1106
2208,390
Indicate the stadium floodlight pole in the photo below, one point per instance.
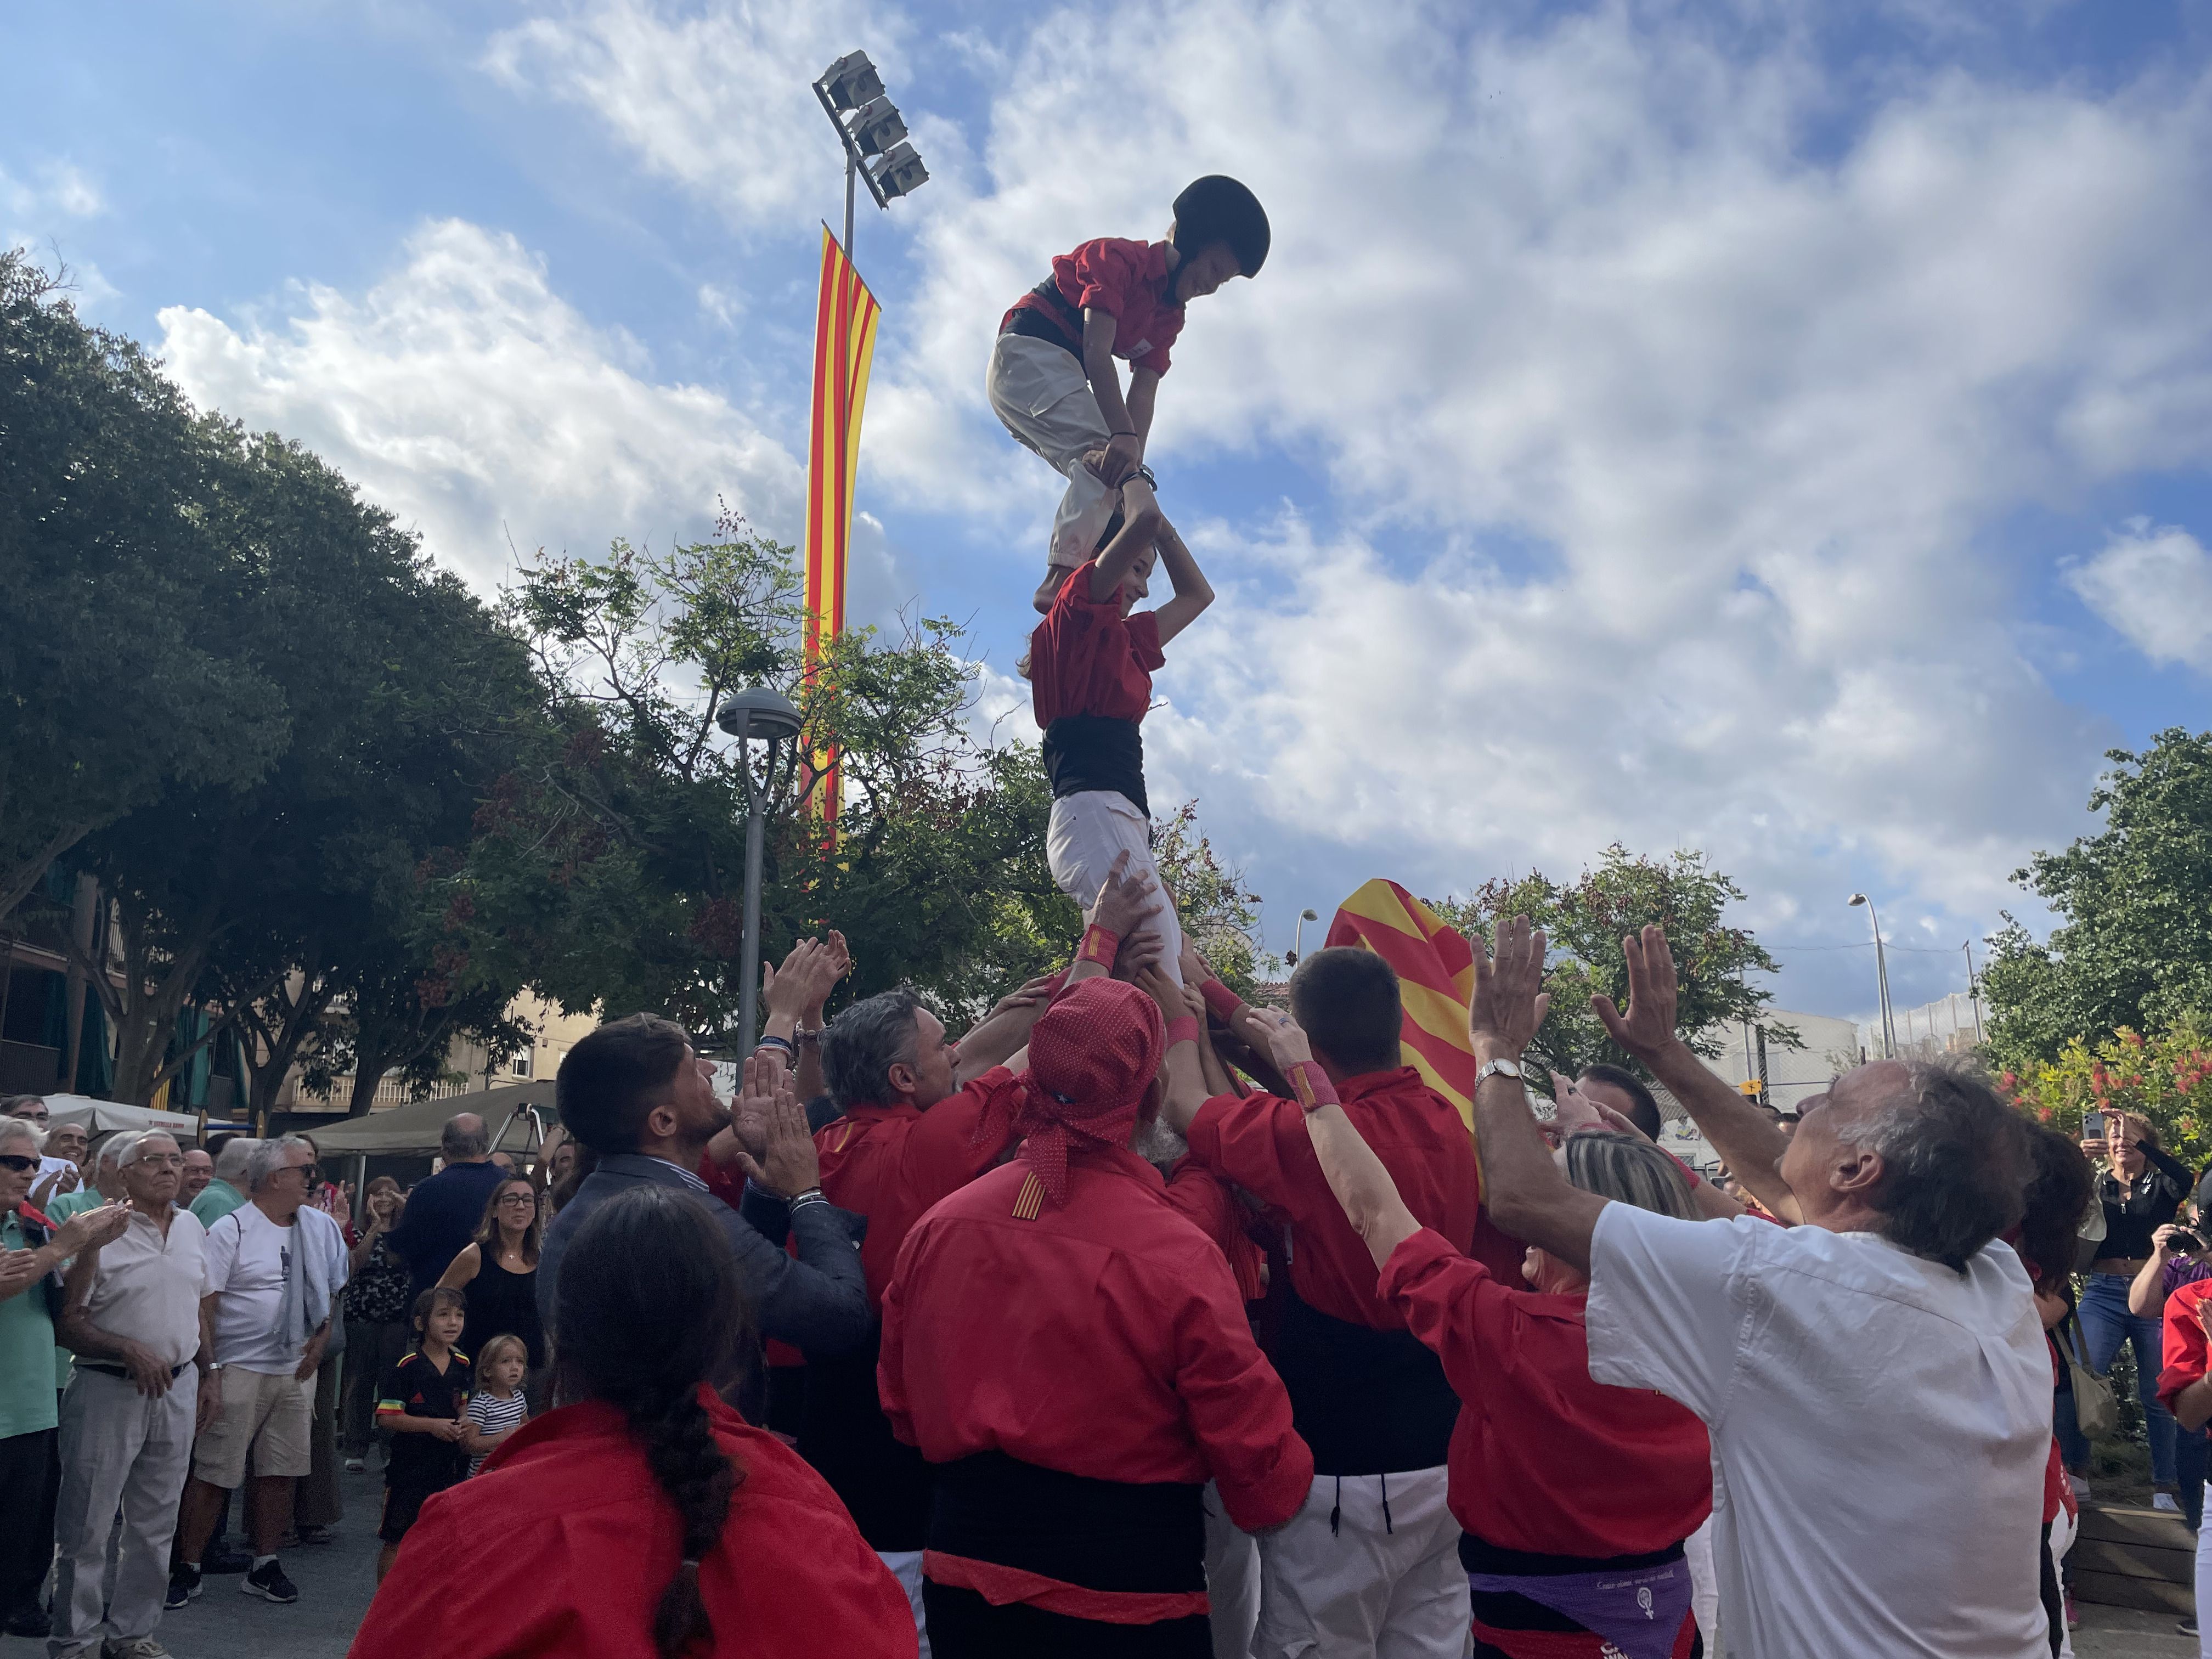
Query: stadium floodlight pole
768,715
1881,979
875,128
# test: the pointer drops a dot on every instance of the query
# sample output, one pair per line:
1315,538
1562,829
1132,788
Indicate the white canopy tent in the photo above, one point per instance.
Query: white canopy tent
518,1114
100,1117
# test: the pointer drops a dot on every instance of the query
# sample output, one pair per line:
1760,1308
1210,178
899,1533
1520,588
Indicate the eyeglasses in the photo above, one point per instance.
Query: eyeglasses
17,1161
519,1198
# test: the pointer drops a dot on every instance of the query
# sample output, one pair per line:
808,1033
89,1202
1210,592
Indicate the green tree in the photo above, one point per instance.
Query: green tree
1586,920
407,700
609,866
1215,907
121,668
2133,945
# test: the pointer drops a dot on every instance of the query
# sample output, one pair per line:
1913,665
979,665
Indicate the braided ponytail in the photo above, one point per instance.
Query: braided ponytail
692,1469
649,1308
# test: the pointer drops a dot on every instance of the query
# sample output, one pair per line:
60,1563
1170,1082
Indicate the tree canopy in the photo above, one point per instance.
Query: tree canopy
1586,920
2132,948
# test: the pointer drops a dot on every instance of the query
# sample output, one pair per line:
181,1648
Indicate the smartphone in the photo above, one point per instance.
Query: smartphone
2183,1243
2093,1126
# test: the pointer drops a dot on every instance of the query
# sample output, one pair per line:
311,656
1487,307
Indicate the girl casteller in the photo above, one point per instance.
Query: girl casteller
1090,666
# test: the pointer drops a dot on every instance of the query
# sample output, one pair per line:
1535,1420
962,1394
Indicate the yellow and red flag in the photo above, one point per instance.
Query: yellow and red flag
1436,978
845,317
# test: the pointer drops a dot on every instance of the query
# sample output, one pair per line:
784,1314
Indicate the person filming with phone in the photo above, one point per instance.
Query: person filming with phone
2140,1187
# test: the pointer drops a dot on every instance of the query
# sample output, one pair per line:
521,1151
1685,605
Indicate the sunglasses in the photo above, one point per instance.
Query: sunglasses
17,1161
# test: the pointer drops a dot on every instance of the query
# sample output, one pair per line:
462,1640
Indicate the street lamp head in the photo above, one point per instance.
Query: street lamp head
877,126
757,712
900,172
1858,898
1308,915
851,82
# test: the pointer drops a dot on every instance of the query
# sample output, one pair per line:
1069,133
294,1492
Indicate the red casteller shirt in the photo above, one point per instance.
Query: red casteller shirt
562,1544
1260,1143
1127,281
2185,1350
1086,658
1543,1459
890,1164
1105,1338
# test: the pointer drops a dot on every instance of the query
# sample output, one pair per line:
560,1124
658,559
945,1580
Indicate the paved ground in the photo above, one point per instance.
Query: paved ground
336,1581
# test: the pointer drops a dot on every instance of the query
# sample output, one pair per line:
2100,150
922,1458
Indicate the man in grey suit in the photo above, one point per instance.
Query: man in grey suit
637,1093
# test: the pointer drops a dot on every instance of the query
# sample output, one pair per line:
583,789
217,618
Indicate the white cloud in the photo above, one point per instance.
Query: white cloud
464,394
721,103
2155,588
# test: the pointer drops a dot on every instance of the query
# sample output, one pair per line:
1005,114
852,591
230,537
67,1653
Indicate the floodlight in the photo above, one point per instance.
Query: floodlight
851,82
900,172
877,126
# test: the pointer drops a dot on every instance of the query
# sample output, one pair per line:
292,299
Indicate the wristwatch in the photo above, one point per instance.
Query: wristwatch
1502,1068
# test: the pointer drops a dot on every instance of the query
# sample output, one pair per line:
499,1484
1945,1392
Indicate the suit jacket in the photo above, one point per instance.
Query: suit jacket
817,1301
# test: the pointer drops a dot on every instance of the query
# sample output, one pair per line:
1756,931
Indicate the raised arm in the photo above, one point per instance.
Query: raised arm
1123,901
1002,1033
1522,1186
1749,1142
1139,532
1144,395
1192,593
1355,1176
817,1302
1126,449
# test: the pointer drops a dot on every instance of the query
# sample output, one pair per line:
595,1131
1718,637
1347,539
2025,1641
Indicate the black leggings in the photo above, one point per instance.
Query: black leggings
964,1625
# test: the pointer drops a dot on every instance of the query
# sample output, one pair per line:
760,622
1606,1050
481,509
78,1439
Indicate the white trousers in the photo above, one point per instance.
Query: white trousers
2064,1529
119,1451
1232,1580
1041,394
906,1567
1384,1581
1088,831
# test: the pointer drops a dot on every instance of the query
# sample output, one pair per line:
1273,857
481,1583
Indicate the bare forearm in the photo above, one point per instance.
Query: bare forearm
1361,1184
1521,1187
1099,332
86,1339
1186,1087
808,1084
2145,1297
2192,1406
1144,393
997,1037
1749,1142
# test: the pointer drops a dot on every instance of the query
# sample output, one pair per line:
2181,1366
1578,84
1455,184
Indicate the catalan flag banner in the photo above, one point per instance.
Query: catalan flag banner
1436,978
845,315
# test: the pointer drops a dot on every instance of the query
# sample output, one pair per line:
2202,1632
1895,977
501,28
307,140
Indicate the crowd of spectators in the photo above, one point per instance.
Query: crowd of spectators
1138,1321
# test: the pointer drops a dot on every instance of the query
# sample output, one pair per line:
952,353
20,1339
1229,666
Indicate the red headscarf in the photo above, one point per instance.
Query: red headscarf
1094,1060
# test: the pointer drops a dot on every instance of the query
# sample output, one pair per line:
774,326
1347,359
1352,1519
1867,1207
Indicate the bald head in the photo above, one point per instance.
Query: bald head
464,1139
1927,1155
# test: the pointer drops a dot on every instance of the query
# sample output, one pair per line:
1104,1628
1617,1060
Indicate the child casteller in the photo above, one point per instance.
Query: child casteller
1052,378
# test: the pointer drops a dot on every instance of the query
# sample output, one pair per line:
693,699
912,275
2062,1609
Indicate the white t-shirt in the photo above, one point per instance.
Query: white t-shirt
248,1257
1880,1424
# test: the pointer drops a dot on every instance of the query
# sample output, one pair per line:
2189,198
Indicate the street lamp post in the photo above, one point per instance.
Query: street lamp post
768,715
1298,936
1881,980
872,127
1973,988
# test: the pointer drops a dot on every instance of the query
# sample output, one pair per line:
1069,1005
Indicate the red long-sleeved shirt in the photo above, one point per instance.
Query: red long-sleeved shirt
890,1164
1542,1458
1105,1338
2184,1347
1260,1143
561,1546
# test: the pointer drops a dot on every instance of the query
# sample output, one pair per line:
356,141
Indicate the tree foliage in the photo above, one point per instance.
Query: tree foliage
1216,909
2133,945
609,866
2167,1079
1587,919
121,672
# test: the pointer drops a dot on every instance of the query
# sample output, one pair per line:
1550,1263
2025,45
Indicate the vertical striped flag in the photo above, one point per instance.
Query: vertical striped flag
1436,978
844,344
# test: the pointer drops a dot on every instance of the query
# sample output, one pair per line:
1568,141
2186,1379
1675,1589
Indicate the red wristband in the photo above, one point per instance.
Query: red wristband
1183,1028
1220,1001
1312,1086
1099,947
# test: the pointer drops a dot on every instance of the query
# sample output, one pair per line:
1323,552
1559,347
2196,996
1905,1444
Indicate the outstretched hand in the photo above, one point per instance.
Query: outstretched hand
1509,1001
1287,1039
1653,992
788,1165
1125,900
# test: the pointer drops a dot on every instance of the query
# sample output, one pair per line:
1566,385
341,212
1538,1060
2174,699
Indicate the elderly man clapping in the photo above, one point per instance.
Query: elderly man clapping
132,1312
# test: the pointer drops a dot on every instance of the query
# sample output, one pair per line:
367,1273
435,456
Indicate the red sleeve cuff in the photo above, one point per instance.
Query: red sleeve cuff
1220,1001
1416,1254
1274,1500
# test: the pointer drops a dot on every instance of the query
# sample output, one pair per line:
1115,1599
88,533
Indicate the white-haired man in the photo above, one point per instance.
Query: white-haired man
135,1314
226,1189
275,1266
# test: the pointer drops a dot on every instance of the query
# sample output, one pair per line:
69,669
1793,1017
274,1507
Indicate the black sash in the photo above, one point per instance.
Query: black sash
1367,1401
1096,751
844,1434
1101,1535
1052,318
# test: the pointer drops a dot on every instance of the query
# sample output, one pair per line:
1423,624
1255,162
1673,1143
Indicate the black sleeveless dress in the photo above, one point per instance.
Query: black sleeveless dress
501,1303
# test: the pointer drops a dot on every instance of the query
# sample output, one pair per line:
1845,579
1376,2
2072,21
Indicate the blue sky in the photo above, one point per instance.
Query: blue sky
1783,430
